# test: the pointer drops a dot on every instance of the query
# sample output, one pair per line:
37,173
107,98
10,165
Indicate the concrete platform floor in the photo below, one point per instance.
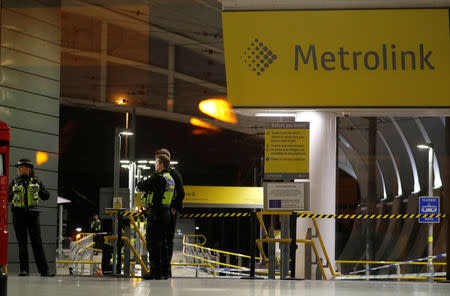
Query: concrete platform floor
99,286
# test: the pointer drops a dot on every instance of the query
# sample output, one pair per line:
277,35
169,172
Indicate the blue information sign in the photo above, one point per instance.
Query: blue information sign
429,205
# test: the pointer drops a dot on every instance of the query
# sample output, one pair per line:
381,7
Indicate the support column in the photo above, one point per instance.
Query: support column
446,186
322,176
60,236
372,184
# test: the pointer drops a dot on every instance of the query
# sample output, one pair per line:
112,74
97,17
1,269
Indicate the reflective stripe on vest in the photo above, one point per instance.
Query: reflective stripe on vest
147,199
32,194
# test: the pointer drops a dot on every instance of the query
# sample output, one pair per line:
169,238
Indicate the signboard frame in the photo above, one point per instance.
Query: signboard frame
287,143
429,202
271,197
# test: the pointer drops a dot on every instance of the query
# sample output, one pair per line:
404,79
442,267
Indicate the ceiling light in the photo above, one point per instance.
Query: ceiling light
201,123
121,101
218,108
126,133
425,146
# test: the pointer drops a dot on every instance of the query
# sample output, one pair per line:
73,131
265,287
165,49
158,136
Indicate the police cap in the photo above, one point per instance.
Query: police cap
24,162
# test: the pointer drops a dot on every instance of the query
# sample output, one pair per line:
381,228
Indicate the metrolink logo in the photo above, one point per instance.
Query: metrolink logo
386,57
258,57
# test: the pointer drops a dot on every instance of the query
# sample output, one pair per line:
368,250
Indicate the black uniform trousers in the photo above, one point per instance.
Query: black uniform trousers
170,235
158,223
25,220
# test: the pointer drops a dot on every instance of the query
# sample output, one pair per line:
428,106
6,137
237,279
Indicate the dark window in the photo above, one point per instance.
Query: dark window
2,165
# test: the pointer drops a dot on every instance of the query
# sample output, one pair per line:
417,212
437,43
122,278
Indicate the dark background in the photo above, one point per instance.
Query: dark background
222,158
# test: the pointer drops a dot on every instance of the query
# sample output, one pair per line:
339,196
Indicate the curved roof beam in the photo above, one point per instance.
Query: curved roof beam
345,164
376,162
394,163
426,137
382,180
411,157
348,168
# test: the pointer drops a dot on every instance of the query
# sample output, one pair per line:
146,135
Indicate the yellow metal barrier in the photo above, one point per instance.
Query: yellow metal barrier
214,262
138,231
138,257
88,235
200,246
388,262
196,264
288,240
261,222
195,235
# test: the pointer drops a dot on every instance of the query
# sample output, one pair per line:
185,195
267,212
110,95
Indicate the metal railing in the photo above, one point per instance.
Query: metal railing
261,222
81,251
198,250
397,267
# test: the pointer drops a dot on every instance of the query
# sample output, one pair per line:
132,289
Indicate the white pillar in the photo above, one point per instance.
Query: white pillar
322,174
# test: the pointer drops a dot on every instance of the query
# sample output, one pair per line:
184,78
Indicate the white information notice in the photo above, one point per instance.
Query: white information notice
284,196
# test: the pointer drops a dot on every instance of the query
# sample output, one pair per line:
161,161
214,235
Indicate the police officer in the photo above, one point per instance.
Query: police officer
25,193
159,190
96,227
175,206
96,224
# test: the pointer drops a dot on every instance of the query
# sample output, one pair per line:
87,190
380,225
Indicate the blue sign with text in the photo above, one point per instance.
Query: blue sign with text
429,205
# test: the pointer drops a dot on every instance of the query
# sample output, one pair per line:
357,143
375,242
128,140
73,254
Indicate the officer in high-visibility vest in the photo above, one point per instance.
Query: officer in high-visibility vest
175,206
159,190
96,224
25,193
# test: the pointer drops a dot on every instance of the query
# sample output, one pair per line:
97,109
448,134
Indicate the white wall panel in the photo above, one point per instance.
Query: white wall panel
33,46
13,251
18,153
29,101
29,82
30,64
30,26
35,9
26,101
28,120
47,217
36,141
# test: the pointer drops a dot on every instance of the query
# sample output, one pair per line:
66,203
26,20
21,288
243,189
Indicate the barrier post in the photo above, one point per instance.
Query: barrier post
285,254
252,244
115,216
119,244
126,249
293,247
252,247
271,255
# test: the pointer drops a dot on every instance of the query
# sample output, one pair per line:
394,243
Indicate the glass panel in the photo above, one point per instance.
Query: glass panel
381,171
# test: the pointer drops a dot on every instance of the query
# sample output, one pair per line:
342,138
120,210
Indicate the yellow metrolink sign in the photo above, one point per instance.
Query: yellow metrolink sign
223,196
345,58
